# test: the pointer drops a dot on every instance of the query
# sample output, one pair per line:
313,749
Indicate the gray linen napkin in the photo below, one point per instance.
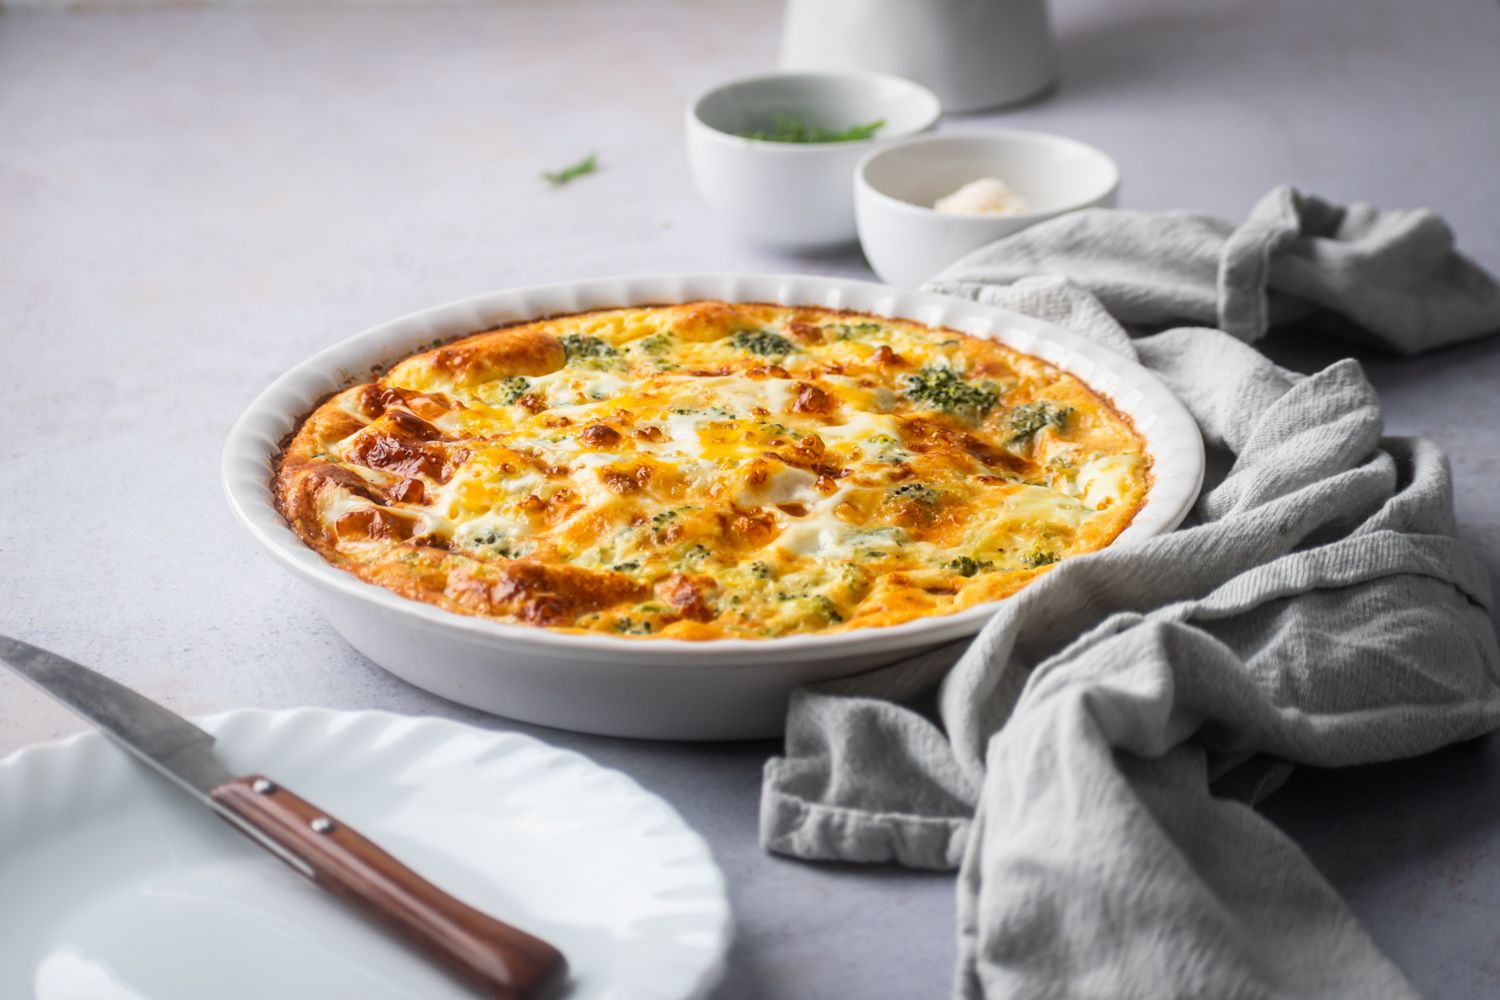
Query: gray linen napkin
1089,760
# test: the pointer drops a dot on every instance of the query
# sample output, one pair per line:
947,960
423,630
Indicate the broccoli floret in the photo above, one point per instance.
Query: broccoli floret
1027,419
490,542
762,342
513,388
943,389
817,604
580,347
966,566
655,344
853,331
891,451
826,608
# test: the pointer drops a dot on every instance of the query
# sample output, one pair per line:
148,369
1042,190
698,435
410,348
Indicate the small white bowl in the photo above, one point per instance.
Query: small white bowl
907,241
796,194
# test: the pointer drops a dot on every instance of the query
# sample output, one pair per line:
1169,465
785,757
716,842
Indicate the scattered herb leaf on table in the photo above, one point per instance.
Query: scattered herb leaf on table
587,165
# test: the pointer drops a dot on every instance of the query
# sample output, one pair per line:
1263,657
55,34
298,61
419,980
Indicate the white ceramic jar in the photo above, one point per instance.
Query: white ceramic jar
972,53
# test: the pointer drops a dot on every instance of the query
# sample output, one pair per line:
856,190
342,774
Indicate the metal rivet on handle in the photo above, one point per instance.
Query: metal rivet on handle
322,824
261,786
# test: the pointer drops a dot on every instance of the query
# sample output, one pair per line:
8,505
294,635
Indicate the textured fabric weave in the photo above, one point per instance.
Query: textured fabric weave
1089,762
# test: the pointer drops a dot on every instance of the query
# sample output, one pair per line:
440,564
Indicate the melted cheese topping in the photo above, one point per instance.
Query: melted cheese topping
712,470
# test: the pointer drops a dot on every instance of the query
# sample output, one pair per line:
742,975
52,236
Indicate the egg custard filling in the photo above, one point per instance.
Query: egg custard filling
712,470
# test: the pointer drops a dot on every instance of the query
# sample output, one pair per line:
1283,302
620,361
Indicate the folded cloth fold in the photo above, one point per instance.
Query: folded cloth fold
1090,760
1386,278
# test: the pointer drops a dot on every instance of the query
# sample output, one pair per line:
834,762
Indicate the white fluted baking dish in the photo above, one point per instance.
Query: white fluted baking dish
656,688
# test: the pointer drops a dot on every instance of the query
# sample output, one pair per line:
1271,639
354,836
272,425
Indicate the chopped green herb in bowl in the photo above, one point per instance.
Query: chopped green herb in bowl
774,154
795,128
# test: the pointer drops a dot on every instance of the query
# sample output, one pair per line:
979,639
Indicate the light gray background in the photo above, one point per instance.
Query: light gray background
192,200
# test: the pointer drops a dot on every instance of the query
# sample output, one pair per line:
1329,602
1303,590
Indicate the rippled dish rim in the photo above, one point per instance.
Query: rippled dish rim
1173,441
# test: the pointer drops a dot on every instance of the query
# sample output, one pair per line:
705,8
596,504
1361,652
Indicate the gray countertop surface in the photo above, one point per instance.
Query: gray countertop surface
191,200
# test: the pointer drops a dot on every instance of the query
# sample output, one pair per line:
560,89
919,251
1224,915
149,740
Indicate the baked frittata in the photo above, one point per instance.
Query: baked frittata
711,470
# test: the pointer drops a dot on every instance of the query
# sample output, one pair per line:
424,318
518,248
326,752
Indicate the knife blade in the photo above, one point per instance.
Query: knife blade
489,955
162,739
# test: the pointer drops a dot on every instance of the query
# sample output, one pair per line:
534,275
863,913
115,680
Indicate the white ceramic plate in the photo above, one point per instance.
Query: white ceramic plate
657,688
117,886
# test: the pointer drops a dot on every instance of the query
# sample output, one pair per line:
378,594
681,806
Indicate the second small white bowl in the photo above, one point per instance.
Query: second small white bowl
907,241
786,194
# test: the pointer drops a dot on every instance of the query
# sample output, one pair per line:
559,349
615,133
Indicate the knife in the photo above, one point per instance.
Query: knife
498,960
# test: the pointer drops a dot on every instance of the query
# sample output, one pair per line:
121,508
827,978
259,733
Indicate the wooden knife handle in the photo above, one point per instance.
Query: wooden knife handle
499,960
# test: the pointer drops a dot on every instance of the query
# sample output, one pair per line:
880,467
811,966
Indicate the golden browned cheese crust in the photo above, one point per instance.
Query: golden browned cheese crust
712,470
